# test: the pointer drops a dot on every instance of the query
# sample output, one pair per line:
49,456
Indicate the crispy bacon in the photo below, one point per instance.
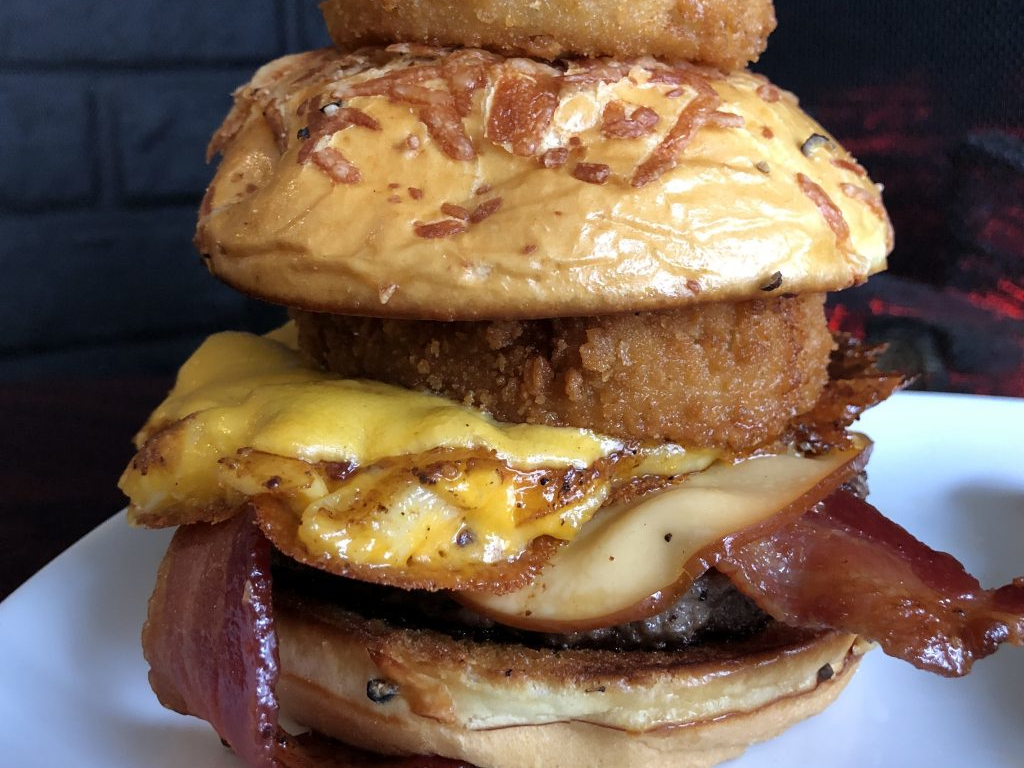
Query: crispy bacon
854,385
845,566
209,636
212,649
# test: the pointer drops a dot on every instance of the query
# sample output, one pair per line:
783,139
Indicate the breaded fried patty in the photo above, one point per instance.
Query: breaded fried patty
727,375
724,33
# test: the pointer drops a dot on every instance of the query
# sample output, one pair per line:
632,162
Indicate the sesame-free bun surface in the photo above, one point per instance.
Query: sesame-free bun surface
726,33
499,706
423,183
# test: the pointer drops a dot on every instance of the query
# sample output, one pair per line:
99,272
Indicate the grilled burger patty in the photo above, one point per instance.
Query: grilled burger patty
711,608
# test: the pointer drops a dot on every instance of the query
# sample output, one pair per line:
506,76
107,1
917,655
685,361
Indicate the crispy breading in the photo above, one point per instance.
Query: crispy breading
727,376
724,33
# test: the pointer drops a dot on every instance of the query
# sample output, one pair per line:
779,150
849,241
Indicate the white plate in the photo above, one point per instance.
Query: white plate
73,688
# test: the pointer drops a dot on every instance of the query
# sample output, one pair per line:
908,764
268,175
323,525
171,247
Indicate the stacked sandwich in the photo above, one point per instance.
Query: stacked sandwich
551,466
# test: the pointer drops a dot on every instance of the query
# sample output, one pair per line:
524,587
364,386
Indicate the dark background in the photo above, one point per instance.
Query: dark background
106,107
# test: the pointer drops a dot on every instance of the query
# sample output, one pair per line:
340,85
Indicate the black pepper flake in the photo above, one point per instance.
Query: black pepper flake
598,689
303,133
668,537
763,166
465,537
825,673
508,673
273,483
815,141
774,282
381,691
545,480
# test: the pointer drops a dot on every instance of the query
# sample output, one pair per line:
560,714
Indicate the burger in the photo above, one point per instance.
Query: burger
551,466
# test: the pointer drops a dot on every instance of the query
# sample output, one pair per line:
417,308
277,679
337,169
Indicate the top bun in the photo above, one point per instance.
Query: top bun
723,33
460,185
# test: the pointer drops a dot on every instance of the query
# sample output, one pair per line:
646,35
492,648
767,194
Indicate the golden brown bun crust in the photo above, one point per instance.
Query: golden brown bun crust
728,375
476,187
724,33
511,707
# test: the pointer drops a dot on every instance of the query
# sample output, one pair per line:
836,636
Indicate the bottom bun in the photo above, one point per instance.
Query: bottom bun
415,691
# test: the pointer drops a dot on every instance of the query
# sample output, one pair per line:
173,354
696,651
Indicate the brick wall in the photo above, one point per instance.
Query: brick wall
106,107
105,110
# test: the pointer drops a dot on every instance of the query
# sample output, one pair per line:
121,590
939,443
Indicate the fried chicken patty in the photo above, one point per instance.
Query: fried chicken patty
726,375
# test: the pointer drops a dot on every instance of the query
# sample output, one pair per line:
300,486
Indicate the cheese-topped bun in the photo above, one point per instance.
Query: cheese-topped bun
418,691
726,33
435,184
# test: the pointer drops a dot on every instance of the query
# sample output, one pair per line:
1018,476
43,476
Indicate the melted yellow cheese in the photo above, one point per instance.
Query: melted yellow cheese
251,391
248,416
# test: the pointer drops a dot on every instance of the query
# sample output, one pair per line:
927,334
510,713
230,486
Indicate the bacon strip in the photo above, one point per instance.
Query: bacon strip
845,566
212,649
209,636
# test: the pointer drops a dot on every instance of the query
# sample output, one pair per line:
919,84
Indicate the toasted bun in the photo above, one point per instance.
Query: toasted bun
726,33
501,706
536,202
